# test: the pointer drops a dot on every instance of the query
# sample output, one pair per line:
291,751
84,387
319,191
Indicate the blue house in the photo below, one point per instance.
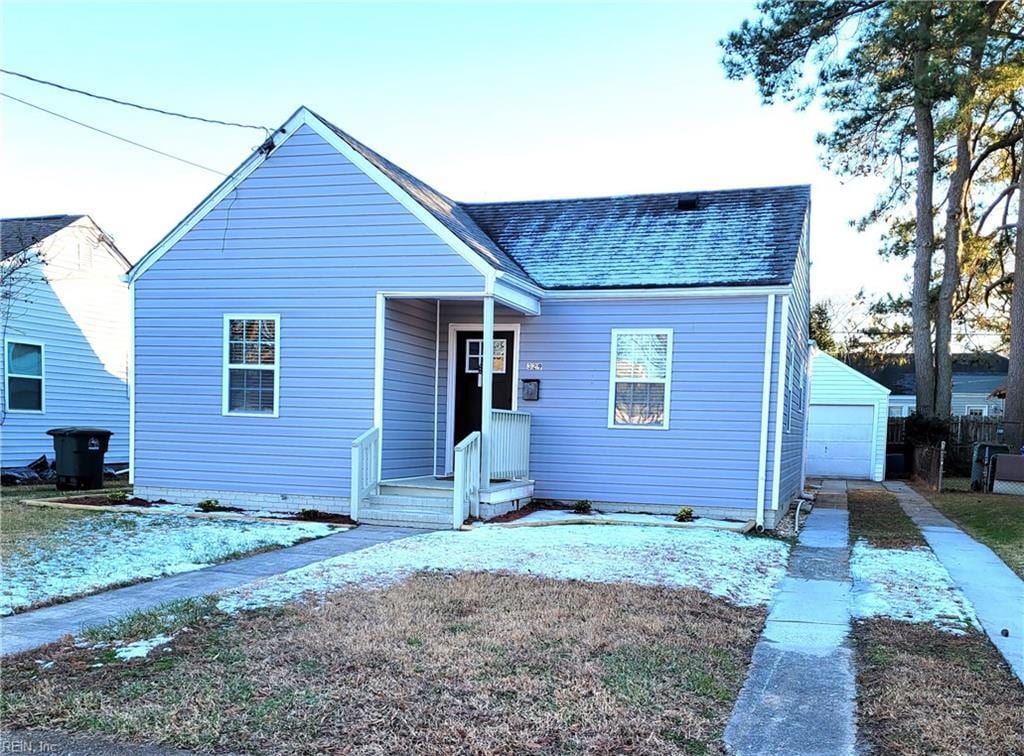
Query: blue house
327,331
65,326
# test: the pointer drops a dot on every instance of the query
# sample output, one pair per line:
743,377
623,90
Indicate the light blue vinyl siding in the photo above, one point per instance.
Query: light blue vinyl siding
81,317
799,339
311,238
709,455
409,354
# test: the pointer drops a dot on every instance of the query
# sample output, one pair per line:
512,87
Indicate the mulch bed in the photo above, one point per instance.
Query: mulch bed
103,501
327,517
533,506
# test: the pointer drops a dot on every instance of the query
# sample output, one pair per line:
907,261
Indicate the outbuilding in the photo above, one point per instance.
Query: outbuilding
847,421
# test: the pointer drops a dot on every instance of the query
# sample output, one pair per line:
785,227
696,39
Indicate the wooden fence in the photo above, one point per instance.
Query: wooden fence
964,432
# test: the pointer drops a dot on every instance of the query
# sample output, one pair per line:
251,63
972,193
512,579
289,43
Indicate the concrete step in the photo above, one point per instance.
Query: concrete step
425,512
411,489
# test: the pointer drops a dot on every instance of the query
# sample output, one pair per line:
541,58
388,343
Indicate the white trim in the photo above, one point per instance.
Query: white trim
666,382
41,377
449,416
780,401
969,407
766,390
131,382
227,366
379,339
437,381
668,292
526,302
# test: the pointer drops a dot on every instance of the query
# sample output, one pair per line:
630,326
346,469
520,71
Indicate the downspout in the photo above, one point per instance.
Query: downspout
766,386
437,374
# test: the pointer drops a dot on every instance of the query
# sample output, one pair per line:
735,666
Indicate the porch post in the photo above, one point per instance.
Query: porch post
487,391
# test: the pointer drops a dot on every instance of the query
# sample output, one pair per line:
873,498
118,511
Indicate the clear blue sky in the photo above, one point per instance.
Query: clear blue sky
484,101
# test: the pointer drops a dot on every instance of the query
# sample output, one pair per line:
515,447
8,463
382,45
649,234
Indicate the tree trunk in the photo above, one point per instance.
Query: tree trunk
924,242
950,276
1014,410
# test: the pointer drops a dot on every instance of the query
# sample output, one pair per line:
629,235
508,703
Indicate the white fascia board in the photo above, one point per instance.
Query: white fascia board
407,201
667,292
513,297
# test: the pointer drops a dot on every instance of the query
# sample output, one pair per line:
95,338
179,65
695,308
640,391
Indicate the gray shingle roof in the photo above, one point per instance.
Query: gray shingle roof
17,234
444,209
734,237
973,372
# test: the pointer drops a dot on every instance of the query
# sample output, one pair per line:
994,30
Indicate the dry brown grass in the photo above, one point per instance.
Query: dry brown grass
921,690
472,663
876,516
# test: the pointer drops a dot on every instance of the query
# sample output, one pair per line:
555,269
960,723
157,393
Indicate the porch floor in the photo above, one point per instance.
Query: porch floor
446,484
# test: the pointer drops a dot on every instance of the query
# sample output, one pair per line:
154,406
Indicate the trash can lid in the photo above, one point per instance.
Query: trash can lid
79,431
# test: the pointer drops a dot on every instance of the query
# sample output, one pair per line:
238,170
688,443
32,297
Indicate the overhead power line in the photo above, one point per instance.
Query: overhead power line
132,104
115,136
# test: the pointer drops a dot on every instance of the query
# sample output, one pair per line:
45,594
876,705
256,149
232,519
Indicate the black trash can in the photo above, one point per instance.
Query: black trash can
79,453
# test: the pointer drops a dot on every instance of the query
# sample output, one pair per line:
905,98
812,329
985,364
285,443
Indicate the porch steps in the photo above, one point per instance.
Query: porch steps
429,512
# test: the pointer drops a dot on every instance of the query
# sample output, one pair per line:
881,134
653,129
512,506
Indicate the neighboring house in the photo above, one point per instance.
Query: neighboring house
326,331
65,332
976,375
847,421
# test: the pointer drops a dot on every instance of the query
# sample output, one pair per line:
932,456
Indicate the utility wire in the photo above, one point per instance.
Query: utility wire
132,104
115,136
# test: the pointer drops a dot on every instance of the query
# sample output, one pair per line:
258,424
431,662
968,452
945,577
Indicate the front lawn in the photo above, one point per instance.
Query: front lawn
997,520
928,679
54,554
437,663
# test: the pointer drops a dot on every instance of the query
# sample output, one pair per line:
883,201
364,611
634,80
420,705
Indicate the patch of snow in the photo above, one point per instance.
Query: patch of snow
140,649
92,553
910,585
567,515
739,568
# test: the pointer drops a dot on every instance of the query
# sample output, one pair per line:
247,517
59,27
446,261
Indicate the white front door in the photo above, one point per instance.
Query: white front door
840,440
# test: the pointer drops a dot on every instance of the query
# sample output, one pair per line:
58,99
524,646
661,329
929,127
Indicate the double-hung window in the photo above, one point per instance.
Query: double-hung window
641,377
24,366
251,364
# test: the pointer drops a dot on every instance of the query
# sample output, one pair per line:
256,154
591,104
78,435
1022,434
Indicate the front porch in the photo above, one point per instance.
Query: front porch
449,441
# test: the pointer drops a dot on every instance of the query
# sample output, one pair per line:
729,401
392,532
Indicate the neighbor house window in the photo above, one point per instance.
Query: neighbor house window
24,367
251,364
641,374
977,411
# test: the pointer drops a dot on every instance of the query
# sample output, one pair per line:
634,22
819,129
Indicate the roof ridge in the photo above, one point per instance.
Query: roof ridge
605,197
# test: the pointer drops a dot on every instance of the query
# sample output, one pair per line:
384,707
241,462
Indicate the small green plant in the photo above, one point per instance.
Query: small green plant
117,497
685,514
583,506
310,514
209,505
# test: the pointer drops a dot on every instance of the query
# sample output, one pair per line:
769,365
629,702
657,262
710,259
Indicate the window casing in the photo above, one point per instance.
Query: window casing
24,376
976,410
252,359
640,383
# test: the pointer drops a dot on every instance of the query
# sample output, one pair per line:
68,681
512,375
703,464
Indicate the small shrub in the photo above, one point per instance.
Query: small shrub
685,514
209,505
117,497
583,506
310,514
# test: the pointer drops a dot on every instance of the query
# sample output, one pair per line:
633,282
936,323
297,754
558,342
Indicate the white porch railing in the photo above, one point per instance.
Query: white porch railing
365,469
467,479
510,445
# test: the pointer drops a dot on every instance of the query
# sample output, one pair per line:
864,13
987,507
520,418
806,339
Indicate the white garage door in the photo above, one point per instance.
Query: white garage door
839,440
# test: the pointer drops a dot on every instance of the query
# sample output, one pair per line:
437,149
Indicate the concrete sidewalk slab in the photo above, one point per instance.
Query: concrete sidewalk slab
800,692
21,632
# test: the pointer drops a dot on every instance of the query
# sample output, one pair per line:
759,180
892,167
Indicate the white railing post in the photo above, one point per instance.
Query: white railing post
365,469
466,498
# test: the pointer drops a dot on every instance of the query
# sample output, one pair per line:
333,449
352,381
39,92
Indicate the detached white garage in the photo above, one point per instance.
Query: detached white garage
847,421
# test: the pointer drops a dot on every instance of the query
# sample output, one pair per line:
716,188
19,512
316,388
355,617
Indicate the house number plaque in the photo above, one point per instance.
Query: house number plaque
535,366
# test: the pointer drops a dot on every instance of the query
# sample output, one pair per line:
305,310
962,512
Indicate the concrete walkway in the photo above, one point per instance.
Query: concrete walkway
20,632
799,695
993,588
